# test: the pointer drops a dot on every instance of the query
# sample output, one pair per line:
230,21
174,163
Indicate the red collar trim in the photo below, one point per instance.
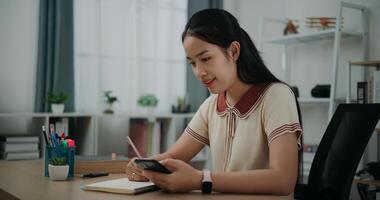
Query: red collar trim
246,103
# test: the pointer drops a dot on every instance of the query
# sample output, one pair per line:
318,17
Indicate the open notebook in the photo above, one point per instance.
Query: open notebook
121,186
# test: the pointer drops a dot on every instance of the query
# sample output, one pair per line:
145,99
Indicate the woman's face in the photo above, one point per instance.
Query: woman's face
211,64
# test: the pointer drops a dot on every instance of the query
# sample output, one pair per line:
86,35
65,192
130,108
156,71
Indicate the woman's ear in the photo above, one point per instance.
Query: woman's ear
234,50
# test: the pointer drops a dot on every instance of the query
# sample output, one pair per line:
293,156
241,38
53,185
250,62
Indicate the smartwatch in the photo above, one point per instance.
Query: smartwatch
206,182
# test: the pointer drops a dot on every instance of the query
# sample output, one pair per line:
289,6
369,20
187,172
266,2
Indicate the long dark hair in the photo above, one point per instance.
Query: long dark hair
219,27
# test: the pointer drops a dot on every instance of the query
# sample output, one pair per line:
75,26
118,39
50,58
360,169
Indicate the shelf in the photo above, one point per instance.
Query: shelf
79,114
31,114
371,63
148,115
310,37
312,100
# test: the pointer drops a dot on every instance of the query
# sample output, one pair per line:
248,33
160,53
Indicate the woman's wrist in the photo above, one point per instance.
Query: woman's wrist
197,184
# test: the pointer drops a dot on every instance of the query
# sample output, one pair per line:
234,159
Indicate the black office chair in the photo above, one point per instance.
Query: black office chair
339,152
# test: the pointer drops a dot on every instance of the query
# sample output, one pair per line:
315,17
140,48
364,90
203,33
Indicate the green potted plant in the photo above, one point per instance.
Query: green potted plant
58,168
110,100
147,102
57,101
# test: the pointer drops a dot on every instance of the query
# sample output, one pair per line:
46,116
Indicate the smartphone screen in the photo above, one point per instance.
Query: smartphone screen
153,165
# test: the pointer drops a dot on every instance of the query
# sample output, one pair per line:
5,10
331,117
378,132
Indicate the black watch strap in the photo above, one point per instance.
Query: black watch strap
206,182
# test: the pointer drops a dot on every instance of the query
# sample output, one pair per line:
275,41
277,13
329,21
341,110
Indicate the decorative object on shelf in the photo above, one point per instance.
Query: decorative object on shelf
362,92
110,100
57,101
58,168
148,102
295,91
321,23
372,168
291,27
321,91
181,107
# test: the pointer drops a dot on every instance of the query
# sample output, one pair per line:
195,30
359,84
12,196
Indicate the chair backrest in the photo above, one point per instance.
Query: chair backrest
340,151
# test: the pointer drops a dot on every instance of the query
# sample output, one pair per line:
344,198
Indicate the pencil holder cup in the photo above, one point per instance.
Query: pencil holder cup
60,153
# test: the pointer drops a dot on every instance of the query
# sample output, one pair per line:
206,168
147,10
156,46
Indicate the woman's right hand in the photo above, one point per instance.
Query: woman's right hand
134,173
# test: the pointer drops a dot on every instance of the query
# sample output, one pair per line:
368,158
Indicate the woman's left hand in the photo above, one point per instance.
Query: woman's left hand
182,179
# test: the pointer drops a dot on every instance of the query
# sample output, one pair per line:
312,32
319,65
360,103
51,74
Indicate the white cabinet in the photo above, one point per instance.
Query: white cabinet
80,127
98,134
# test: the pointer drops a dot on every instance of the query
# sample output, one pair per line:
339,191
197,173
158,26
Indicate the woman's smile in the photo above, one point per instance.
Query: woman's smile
208,83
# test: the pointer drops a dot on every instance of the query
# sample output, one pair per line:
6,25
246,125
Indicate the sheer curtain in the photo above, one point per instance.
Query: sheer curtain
132,47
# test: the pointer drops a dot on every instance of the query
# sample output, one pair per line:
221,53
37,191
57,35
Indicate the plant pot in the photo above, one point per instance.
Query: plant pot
58,172
148,110
109,109
57,108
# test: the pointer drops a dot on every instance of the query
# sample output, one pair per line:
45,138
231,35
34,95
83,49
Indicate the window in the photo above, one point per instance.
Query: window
131,47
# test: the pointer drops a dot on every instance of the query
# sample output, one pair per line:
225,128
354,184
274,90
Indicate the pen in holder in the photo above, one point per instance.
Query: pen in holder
61,153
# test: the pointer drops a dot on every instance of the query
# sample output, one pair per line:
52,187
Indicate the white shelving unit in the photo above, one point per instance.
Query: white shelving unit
336,34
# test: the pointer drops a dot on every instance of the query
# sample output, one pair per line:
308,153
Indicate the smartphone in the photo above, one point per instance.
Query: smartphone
153,165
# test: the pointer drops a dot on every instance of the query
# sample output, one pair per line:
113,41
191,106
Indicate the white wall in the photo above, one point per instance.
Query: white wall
18,58
18,54
311,62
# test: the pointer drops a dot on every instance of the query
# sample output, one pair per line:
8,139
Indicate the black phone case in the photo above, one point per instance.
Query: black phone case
152,165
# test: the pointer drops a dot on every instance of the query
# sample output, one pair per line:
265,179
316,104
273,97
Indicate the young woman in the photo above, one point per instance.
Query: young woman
250,122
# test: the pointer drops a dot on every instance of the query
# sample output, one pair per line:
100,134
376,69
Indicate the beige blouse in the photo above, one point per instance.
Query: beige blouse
239,136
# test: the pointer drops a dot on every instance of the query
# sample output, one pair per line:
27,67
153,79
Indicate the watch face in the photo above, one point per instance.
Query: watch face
206,187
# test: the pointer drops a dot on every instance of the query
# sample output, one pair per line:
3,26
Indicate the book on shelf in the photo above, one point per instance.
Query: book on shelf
61,125
156,138
369,91
306,168
375,89
19,155
362,92
18,147
310,148
146,136
138,132
121,186
308,155
18,138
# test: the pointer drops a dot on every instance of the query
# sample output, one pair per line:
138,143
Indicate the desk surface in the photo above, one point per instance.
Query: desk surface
25,180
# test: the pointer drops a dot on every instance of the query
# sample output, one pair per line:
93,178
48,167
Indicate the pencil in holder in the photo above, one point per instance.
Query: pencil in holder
60,152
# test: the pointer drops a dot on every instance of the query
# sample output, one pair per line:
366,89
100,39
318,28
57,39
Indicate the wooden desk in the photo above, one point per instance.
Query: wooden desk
25,180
